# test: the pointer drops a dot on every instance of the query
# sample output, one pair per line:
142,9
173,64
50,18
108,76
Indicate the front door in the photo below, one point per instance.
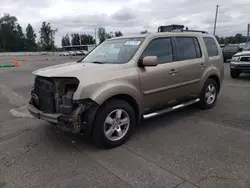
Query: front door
158,84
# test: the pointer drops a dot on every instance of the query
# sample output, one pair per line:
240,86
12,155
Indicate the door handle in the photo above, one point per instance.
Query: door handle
173,71
202,65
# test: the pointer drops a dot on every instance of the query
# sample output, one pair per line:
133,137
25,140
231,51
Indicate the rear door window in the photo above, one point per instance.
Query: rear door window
187,48
211,46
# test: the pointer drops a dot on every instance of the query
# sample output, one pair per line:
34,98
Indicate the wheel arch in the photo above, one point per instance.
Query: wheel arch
130,100
217,80
211,73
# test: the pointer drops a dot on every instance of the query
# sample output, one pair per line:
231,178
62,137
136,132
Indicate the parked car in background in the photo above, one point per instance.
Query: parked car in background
44,53
127,79
79,53
72,53
229,50
85,52
64,54
240,63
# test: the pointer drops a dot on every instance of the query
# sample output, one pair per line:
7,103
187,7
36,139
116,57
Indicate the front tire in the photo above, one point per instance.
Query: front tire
113,124
209,94
234,74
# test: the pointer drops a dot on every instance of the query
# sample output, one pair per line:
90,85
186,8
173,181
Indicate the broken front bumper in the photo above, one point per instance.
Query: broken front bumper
80,120
53,118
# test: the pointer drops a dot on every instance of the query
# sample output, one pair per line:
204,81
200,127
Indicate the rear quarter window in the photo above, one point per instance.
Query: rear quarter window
211,46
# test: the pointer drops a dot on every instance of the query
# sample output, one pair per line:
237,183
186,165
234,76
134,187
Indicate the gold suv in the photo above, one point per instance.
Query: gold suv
127,79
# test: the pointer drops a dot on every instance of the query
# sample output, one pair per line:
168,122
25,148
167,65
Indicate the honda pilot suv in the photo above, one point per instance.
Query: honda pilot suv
127,79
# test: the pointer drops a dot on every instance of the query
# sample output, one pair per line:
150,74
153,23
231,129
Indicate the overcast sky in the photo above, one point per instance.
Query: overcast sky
129,16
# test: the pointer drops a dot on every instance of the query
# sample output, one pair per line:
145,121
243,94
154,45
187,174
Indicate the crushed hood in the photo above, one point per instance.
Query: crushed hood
74,69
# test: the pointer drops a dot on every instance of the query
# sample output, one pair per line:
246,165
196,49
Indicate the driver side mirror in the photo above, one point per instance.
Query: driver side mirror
148,61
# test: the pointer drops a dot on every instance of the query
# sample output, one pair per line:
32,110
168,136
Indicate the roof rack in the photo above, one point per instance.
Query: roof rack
176,28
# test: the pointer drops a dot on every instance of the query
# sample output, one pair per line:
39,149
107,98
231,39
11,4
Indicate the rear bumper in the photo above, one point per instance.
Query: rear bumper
53,118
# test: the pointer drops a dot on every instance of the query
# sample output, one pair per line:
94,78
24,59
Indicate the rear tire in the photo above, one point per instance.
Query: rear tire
208,94
108,131
234,74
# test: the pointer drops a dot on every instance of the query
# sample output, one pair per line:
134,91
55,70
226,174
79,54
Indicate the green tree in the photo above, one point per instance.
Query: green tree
47,38
39,46
67,40
239,38
30,38
20,38
118,34
101,34
222,40
63,41
86,39
75,39
8,33
109,35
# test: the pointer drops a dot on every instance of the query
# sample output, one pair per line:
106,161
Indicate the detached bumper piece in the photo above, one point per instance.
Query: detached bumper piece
79,121
53,118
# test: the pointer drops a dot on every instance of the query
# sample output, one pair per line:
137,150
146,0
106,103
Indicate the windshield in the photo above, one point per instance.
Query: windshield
115,51
231,48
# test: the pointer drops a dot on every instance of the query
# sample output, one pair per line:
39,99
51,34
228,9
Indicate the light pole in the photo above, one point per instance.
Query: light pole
95,36
215,20
248,31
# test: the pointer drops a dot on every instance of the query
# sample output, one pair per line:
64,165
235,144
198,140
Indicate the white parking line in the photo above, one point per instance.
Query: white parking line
239,85
21,112
12,96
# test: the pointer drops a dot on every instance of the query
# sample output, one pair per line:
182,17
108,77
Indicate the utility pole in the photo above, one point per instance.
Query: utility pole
215,20
95,36
248,31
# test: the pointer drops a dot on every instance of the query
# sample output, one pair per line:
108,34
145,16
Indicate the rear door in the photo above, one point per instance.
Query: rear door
191,65
215,58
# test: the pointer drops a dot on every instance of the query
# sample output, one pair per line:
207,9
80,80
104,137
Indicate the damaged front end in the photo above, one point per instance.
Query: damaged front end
52,100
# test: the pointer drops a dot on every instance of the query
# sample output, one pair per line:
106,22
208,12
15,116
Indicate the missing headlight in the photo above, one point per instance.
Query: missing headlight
65,89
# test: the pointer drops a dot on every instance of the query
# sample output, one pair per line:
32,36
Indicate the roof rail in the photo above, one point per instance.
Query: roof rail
195,31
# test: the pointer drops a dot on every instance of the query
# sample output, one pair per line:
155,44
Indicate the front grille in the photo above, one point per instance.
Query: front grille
247,59
43,94
243,66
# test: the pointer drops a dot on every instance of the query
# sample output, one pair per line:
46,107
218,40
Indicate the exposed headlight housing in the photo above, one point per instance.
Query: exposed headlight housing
235,58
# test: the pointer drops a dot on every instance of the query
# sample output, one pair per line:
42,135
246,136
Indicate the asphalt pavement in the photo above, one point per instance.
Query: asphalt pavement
185,149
